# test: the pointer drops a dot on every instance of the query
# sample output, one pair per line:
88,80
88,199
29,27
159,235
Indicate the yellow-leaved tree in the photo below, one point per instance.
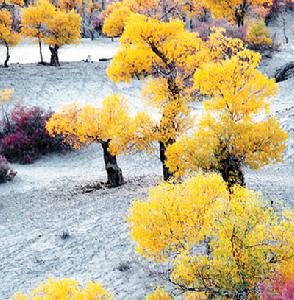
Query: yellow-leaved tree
65,289
8,37
168,56
117,14
85,8
62,29
115,17
34,21
236,129
111,126
236,11
220,244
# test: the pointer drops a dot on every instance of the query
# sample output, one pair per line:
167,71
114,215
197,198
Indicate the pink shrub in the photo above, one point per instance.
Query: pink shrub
278,290
24,137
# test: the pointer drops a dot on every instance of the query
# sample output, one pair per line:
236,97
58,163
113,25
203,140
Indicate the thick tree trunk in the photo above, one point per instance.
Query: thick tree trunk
162,148
7,56
40,49
54,61
114,173
231,171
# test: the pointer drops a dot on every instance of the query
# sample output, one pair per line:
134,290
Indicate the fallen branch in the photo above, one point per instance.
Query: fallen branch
105,59
285,72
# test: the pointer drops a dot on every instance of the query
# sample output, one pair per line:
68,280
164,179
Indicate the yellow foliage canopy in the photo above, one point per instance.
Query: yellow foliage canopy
159,294
168,56
235,10
112,123
237,86
117,14
235,123
8,36
223,242
172,218
63,28
245,234
35,19
258,34
65,289
150,47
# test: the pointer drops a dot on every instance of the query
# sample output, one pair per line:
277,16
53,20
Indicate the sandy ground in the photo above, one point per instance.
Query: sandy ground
27,52
45,201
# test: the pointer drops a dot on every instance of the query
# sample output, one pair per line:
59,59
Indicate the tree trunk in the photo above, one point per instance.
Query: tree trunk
7,56
284,25
166,173
91,34
240,13
174,96
54,61
239,18
40,49
114,173
230,169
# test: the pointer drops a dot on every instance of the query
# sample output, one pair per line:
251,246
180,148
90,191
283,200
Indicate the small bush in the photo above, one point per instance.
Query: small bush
6,173
258,36
65,289
24,138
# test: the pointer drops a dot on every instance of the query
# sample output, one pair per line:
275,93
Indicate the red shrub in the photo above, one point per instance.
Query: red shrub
24,137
